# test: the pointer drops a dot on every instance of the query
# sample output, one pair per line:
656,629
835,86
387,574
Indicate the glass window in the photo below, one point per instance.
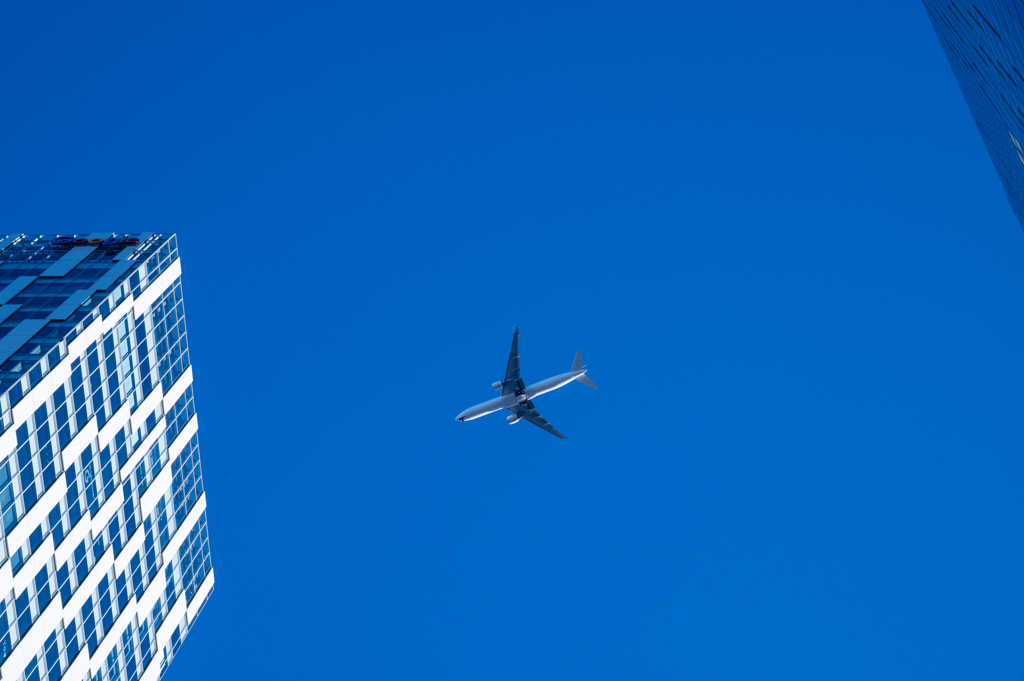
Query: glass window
43,588
36,538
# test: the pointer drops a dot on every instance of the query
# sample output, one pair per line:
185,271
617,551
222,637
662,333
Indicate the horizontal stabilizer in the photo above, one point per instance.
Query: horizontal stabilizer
582,378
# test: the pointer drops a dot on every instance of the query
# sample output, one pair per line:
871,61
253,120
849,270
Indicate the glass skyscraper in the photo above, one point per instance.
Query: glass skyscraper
984,43
104,558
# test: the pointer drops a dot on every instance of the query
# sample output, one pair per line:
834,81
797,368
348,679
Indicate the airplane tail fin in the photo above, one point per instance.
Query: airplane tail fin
578,364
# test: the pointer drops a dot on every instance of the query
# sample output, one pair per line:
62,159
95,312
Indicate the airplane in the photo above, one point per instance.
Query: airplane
518,397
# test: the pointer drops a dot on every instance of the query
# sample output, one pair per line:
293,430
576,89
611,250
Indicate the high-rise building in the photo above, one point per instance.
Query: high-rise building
104,557
984,43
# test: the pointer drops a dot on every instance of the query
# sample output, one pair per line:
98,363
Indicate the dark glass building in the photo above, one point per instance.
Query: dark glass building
984,43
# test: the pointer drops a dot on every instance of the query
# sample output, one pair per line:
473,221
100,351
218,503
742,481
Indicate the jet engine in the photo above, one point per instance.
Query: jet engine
514,418
496,385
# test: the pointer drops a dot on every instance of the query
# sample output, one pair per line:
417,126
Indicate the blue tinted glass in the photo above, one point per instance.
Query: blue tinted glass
52,657
123,594
29,494
74,506
54,516
71,639
46,460
64,583
40,415
10,519
24,612
32,671
81,562
89,625
43,588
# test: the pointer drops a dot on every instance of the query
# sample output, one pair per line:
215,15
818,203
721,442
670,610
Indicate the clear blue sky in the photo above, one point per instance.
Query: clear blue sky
772,228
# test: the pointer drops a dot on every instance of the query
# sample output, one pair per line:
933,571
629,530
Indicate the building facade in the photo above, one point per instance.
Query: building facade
984,43
104,558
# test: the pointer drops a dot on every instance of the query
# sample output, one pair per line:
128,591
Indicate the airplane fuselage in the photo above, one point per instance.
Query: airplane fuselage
506,401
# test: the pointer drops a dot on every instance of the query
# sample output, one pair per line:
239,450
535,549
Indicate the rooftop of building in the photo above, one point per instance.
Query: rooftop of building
52,286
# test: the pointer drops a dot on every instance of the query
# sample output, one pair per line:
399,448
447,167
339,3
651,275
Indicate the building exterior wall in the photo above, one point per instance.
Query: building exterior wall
984,43
104,558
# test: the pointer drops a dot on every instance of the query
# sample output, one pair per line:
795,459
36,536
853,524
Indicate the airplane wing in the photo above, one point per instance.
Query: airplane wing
529,412
512,383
